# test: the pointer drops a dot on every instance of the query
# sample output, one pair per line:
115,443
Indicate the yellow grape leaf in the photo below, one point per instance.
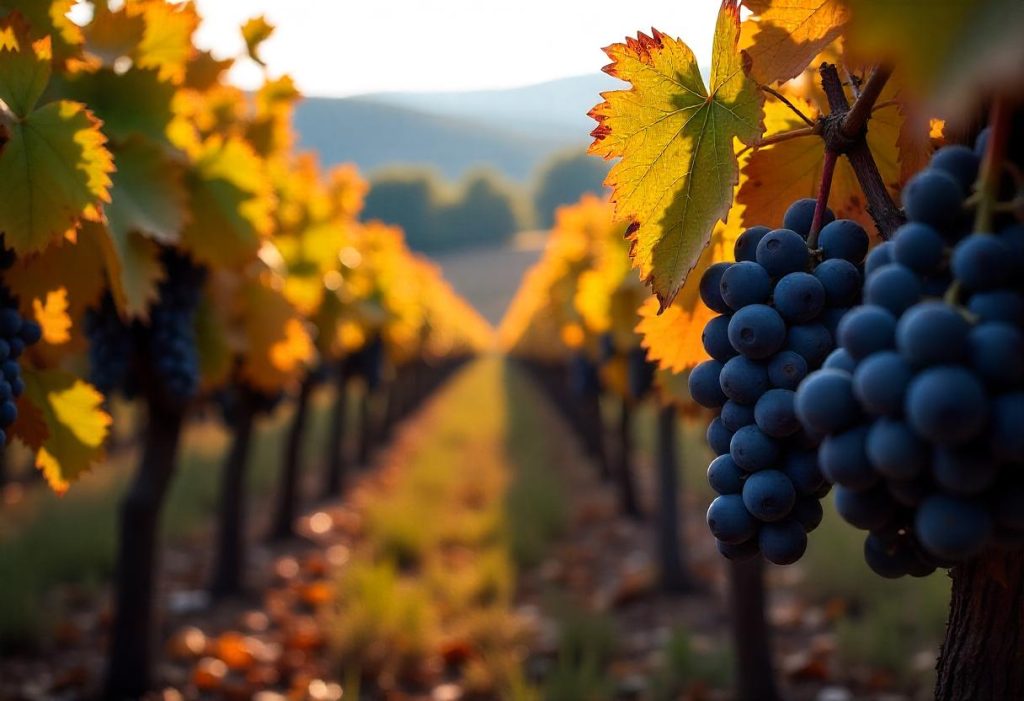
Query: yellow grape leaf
24,67
167,42
134,271
279,346
204,71
954,52
136,102
56,170
113,34
76,268
49,18
675,139
256,31
231,202
63,421
148,192
673,337
782,37
52,315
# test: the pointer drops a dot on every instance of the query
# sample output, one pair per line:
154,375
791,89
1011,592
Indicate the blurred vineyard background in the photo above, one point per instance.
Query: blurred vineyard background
501,528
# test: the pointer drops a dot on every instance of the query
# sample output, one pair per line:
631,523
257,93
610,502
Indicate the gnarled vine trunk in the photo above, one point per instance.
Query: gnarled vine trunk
624,476
675,576
337,460
133,634
755,678
283,524
983,654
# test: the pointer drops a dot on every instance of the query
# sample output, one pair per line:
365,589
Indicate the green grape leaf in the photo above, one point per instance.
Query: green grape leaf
136,102
24,67
61,418
675,139
148,192
56,170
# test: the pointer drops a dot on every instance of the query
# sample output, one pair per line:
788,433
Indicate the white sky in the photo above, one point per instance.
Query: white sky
344,47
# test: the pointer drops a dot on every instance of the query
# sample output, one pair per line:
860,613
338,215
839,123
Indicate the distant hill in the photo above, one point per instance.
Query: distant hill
512,131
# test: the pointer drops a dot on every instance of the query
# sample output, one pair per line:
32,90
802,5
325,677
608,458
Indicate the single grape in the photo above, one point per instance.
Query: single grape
705,386
719,437
745,248
840,359
895,451
801,467
952,528
946,405
919,247
843,458
783,251
959,162
808,513
982,262
880,255
725,476
931,333
1006,434
894,287
799,297
754,450
710,290
933,197
782,543
867,510
715,338
880,382
998,305
729,519
825,402
739,552
774,413
996,354
800,215
843,239
811,341
786,369
964,471
757,331
841,281
889,557
769,495
745,283
735,415
867,329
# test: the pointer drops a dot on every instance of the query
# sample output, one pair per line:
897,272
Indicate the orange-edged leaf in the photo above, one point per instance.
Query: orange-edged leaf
133,269
136,102
49,18
255,32
63,421
148,192
204,71
782,37
231,202
56,170
675,139
113,34
24,67
279,347
167,42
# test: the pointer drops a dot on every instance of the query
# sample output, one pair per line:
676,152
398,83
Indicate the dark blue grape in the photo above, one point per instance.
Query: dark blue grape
8,413
800,215
725,476
735,415
946,405
745,283
894,287
7,392
843,239
786,369
825,402
30,333
867,510
719,437
10,322
775,415
982,262
808,513
782,543
716,339
710,291
729,519
799,297
757,331
959,162
895,451
996,354
931,333
890,557
880,255
10,370
952,528
811,341
867,329
1007,434
705,386
768,495
801,467
783,251
754,450
17,386
964,471
880,382
998,305
843,458
840,359
738,552
745,248
744,380
1009,507
919,247
934,198
841,281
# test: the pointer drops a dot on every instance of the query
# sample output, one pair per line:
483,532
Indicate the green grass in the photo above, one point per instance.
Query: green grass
46,540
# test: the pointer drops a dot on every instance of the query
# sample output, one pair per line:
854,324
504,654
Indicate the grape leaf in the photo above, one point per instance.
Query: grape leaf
167,42
147,192
134,270
675,139
61,418
216,356
52,315
256,31
24,67
279,347
231,202
782,37
113,34
954,52
136,102
55,169
49,18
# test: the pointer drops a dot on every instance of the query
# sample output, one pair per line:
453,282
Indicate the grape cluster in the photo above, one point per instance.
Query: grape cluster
921,408
779,306
167,341
16,334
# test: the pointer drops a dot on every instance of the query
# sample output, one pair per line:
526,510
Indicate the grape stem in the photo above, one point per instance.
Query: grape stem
844,131
782,98
992,166
784,136
827,170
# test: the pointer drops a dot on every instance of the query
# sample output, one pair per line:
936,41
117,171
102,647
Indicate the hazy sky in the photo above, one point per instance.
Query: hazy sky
342,47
